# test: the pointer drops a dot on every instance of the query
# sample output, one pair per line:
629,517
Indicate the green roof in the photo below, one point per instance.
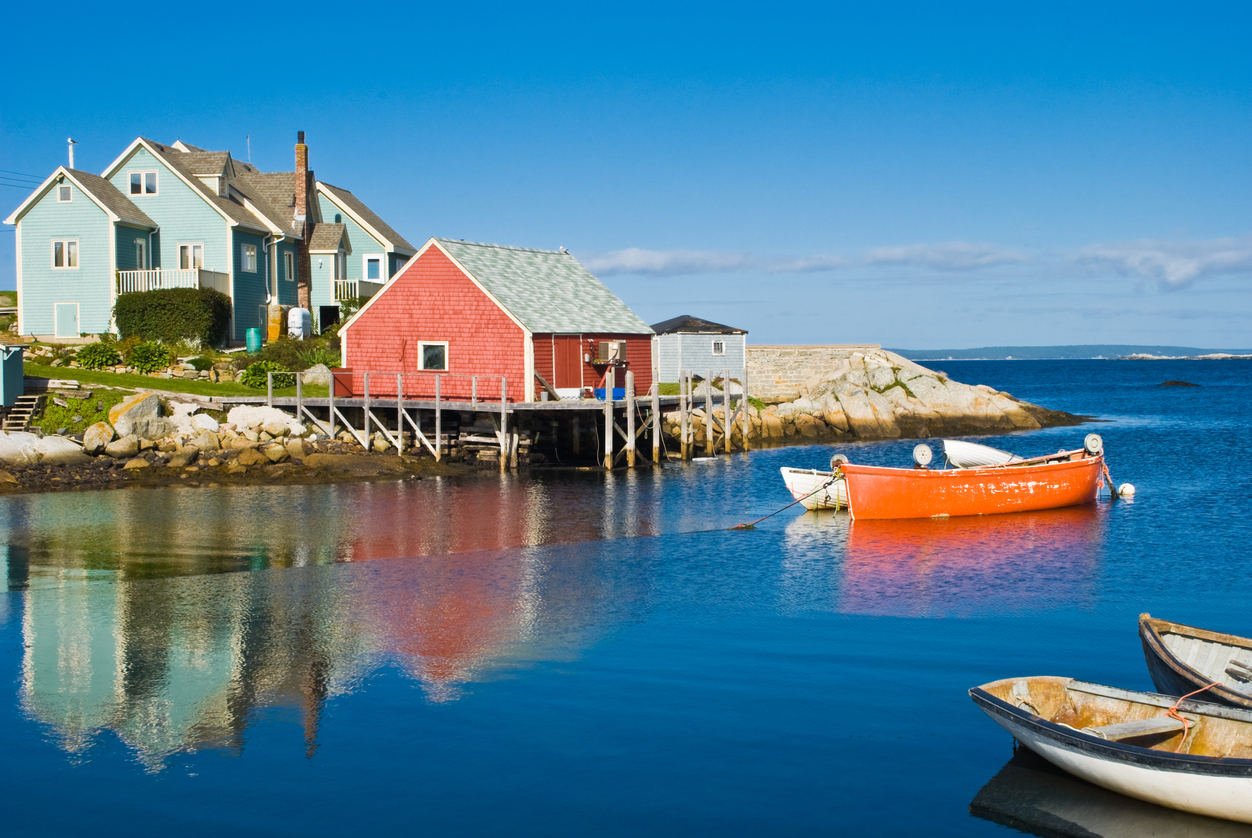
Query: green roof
549,291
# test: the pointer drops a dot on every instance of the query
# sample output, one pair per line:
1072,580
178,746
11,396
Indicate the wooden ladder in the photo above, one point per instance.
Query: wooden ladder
17,418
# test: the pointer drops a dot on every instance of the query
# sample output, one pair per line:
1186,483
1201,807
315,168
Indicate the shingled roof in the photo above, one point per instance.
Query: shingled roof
273,194
549,291
326,237
112,198
367,215
694,325
233,210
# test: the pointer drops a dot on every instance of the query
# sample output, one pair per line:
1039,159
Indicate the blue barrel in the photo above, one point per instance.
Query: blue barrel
253,340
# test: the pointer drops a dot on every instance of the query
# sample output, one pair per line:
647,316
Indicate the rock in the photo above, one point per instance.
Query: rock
207,441
771,425
205,422
96,437
275,429
18,448
296,450
256,416
881,378
214,462
318,374
275,453
6,477
252,457
380,443
139,415
357,465
58,449
138,462
809,426
240,443
869,414
265,436
124,448
236,468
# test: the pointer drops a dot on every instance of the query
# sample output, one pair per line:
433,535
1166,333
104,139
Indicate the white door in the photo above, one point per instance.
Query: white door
65,320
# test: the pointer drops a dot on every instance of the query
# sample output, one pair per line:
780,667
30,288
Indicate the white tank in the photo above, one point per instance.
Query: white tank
299,323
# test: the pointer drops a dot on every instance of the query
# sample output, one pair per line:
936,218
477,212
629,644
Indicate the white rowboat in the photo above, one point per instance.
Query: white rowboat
972,455
816,489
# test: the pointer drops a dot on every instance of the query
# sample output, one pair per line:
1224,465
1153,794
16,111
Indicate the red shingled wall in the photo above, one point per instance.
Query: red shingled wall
433,300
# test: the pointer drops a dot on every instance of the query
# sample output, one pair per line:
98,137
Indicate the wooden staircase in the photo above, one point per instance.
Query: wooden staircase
17,418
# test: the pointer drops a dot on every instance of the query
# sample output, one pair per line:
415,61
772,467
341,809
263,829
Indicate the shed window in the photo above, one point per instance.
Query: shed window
719,347
64,194
141,254
373,268
433,354
190,256
249,258
143,183
289,266
65,253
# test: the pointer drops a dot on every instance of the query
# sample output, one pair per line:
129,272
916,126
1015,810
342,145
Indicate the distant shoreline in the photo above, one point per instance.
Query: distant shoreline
1137,352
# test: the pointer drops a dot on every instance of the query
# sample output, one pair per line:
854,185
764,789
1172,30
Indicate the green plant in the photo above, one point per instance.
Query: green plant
97,356
350,306
174,314
257,376
201,364
315,355
150,357
755,402
79,414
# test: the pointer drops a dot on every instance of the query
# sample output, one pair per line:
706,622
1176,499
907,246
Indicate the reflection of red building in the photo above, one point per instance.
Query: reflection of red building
956,566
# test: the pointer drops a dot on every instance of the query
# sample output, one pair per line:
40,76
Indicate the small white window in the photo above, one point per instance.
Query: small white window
373,269
190,256
719,347
65,253
64,194
341,266
289,265
249,258
433,355
141,255
143,183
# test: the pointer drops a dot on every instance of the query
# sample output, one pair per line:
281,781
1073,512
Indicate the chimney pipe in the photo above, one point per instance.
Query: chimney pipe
70,140
302,178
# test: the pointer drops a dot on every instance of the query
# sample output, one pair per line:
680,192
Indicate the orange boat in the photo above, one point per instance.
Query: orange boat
1067,478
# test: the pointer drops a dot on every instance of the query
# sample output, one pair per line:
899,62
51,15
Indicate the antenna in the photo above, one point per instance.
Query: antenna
70,140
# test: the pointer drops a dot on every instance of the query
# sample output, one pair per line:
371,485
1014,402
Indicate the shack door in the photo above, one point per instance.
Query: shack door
567,360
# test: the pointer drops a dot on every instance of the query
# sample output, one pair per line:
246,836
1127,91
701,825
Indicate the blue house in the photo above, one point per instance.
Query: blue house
178,216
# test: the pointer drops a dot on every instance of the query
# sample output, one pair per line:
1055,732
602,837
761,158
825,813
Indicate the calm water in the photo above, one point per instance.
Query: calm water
576,653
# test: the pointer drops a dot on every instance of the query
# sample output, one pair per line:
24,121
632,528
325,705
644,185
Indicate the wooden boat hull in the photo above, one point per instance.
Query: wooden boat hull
814,488
875,492
1217,785
1182,659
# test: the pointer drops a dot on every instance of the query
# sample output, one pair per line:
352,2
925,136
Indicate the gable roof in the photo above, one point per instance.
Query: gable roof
547,291
366,217
687,323
107,196
205,162
328,237
272,195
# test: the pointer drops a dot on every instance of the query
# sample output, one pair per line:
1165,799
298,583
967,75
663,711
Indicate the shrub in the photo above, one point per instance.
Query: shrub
97,356
350,306
315,355
174,314
201,364
150,357
256,375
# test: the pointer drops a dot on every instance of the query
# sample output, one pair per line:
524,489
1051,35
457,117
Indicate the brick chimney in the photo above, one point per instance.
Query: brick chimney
304,180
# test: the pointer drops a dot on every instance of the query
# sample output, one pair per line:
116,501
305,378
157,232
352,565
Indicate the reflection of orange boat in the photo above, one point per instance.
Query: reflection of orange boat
1069,478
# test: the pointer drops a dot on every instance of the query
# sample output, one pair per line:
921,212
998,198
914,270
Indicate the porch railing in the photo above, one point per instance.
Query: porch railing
347,289
161,278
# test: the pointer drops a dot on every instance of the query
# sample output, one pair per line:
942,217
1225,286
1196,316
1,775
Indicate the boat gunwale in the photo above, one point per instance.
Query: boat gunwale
978,471
1151,635
1146,757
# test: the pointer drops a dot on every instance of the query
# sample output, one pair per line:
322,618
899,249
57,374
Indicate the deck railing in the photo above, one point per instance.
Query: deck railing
347,289
161,278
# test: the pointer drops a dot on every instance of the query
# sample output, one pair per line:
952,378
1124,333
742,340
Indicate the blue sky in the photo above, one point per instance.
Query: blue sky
916,175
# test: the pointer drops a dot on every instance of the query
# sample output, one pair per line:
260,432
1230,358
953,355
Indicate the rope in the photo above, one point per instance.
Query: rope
1109,478
1186,723
752,524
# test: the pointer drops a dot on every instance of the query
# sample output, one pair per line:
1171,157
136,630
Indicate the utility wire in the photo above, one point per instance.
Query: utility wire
23,174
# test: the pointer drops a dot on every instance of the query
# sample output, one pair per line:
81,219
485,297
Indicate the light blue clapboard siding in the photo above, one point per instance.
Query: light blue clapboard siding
287,294
87,285
322,282
362,243
396,263
250,291
181,212
697,355
127,256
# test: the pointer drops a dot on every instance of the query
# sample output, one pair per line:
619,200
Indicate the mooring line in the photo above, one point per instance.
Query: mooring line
752,524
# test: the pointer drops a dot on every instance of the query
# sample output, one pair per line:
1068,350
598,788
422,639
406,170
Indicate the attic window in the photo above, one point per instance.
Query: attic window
143,183
719,347
64,194
433,355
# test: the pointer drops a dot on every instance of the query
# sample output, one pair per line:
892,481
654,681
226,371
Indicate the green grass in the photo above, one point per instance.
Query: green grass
669,389
176,385
91,410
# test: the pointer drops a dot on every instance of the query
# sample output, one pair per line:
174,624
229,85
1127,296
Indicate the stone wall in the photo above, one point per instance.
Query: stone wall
775,373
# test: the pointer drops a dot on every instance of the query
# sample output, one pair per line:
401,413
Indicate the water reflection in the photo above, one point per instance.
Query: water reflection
944,567
1031,795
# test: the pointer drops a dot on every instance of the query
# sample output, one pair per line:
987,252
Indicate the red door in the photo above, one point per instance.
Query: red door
567,360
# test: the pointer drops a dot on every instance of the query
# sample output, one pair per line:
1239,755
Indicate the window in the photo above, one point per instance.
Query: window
719,347
248,254
433,354
143,183
141,255
289,265
341,266
190,256
65,253
373,268
64,194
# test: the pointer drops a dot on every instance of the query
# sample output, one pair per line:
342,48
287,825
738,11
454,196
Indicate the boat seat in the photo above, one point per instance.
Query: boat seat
1239,671
1133,730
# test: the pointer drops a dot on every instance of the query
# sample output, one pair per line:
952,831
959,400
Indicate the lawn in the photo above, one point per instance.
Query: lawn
177,385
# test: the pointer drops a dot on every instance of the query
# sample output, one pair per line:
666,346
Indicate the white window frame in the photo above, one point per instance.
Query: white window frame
78,311
69,192
719,347
289,266
382,267
66,250
141,255
247,258
191,254
340,269
421,354
143,183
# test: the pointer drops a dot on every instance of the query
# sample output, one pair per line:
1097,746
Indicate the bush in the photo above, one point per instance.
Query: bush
150,357
350,306
256,375
97,356
315,355
174,314
201,364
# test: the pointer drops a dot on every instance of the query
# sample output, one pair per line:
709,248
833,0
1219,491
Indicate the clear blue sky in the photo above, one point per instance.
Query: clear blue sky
918,175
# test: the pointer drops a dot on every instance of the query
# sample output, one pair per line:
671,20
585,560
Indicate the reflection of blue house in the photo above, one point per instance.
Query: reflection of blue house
179,216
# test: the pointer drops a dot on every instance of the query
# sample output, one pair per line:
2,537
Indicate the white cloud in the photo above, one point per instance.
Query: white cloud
634,260
946,256
1173,264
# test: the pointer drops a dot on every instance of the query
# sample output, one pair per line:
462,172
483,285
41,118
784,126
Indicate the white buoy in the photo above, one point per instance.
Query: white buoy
1126,490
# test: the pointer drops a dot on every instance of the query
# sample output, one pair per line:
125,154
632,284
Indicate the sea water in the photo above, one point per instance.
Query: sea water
575,653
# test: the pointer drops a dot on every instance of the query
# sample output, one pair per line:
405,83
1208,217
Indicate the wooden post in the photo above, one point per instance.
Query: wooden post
630,419
438,422
366,423
578,432
726,410
513,451
656,422
474,391
608,426
299,397
399,413
504,423
331,402
747,423
269,389
708,413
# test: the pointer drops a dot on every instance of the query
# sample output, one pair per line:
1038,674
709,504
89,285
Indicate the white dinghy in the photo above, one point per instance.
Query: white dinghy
816,489
972,455
1195,758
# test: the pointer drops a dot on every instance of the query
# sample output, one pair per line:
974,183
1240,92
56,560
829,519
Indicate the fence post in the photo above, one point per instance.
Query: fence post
608,426
630,419
399,413
367,412
331,402
708,413
269,389
656,421
438,422
726,410
299,397
747,424
474,391
504,423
